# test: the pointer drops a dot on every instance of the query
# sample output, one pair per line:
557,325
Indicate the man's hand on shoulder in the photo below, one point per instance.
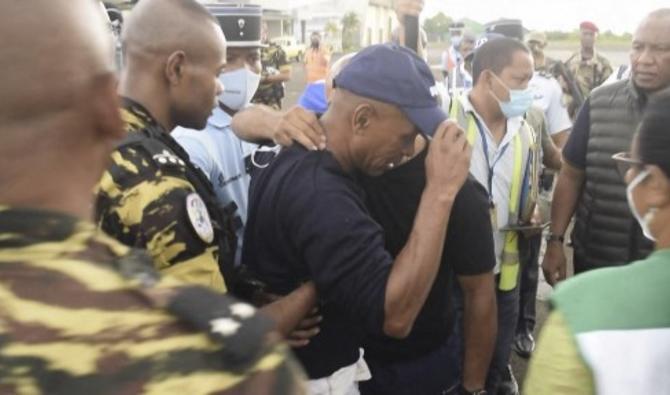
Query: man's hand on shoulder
300,126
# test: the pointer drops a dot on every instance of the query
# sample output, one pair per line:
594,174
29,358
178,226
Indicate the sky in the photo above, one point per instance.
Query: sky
617,15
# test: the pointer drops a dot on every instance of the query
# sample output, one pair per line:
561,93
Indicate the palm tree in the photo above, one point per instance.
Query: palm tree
351,31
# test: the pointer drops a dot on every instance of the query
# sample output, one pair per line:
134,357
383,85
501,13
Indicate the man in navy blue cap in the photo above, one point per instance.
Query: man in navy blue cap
307,218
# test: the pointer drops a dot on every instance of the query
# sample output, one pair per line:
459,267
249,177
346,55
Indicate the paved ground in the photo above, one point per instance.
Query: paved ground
294,89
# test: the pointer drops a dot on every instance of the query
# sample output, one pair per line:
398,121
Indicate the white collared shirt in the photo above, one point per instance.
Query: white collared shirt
548,96
503,155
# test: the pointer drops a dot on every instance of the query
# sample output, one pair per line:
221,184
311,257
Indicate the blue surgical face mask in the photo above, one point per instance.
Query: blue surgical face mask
456,41
519,102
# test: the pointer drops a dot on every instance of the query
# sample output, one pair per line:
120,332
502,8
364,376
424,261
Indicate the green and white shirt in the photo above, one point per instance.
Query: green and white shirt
609,333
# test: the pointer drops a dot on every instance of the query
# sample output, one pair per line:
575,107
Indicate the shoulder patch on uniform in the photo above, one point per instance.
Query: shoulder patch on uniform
199,217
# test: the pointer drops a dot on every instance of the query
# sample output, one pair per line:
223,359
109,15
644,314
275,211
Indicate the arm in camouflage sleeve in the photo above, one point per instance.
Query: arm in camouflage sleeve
280,63
145,207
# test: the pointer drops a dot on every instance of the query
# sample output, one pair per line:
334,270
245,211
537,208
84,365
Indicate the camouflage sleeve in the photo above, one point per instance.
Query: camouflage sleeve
281,61
145,206
93,331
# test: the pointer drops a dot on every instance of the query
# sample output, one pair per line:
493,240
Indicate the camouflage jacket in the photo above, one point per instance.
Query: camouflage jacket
589,74
153,198
81,313
274,61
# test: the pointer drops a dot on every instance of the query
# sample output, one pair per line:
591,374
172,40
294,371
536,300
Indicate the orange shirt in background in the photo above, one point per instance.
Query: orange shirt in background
316,64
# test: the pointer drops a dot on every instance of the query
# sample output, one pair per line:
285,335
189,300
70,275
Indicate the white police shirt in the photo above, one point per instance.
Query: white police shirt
503,156
222,156
548,96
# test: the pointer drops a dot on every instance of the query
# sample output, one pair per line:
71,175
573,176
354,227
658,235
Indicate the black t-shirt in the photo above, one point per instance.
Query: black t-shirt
307,220
577,145
393,200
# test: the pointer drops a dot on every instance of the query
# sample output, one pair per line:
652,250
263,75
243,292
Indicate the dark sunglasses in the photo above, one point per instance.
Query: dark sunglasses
624,162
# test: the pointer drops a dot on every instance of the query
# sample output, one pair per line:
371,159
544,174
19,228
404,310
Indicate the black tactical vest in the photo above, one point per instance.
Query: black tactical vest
606,233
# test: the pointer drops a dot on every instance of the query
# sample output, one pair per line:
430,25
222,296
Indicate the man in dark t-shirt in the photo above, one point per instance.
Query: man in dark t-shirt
429,360
308,221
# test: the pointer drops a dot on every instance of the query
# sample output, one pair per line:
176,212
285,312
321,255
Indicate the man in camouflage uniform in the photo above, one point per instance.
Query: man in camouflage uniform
589,68
152,196
276,71
81,313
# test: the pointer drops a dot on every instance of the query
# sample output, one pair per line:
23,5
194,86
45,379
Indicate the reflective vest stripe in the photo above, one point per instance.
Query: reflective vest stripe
509,263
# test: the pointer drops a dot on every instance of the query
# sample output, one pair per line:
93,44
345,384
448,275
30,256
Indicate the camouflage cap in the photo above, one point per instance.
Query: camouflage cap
537,36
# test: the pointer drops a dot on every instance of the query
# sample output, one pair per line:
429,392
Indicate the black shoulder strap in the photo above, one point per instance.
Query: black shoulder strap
236,326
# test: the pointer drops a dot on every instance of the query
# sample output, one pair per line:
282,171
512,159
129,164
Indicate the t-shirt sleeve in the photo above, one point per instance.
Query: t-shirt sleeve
470,232
344,250
558,119
557,367
575,149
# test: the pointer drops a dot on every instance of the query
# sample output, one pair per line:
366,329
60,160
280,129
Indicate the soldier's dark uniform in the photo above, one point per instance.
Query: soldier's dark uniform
81,313
273,59
153,198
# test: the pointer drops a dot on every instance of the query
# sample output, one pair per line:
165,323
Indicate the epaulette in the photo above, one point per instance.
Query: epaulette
157,151
236,326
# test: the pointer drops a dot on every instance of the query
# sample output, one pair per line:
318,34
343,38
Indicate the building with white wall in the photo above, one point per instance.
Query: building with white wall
300,18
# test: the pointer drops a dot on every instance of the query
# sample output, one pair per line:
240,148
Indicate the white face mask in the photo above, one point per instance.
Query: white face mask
239,87
645,220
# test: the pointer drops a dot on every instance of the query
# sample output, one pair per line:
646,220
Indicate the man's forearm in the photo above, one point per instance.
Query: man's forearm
416,266
256,123
283,76
561,138
480,327
568,189
288,311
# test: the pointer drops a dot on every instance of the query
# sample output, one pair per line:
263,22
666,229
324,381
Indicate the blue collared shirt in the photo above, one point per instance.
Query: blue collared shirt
222,156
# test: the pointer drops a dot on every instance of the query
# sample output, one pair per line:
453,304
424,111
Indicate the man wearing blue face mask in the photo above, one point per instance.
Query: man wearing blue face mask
217,151
505,160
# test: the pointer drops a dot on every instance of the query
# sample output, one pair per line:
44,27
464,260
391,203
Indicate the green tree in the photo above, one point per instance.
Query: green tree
351,31
437,27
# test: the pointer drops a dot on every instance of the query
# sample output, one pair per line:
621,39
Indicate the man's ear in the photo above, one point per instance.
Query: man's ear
104,105
658,187
362,118
174,67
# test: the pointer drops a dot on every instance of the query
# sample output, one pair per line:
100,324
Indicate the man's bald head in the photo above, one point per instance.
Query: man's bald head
174,51
59,115
49,53
650,55
161,27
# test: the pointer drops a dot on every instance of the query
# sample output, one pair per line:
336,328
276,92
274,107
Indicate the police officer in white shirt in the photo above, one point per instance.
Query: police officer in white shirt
548,92
217,151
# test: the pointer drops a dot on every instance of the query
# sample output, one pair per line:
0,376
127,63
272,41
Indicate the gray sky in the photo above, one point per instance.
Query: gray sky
616,15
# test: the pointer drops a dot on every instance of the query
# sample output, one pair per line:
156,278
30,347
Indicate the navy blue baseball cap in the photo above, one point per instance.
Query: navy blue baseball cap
395,75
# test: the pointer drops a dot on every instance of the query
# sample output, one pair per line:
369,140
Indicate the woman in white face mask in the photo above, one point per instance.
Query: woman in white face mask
609,332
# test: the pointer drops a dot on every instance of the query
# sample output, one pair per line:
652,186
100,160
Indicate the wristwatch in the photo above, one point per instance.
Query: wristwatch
554,237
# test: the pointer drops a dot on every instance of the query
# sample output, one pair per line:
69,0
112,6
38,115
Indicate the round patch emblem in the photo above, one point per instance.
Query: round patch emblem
199,217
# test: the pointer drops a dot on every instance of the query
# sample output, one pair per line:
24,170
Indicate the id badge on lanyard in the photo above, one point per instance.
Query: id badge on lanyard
493,211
